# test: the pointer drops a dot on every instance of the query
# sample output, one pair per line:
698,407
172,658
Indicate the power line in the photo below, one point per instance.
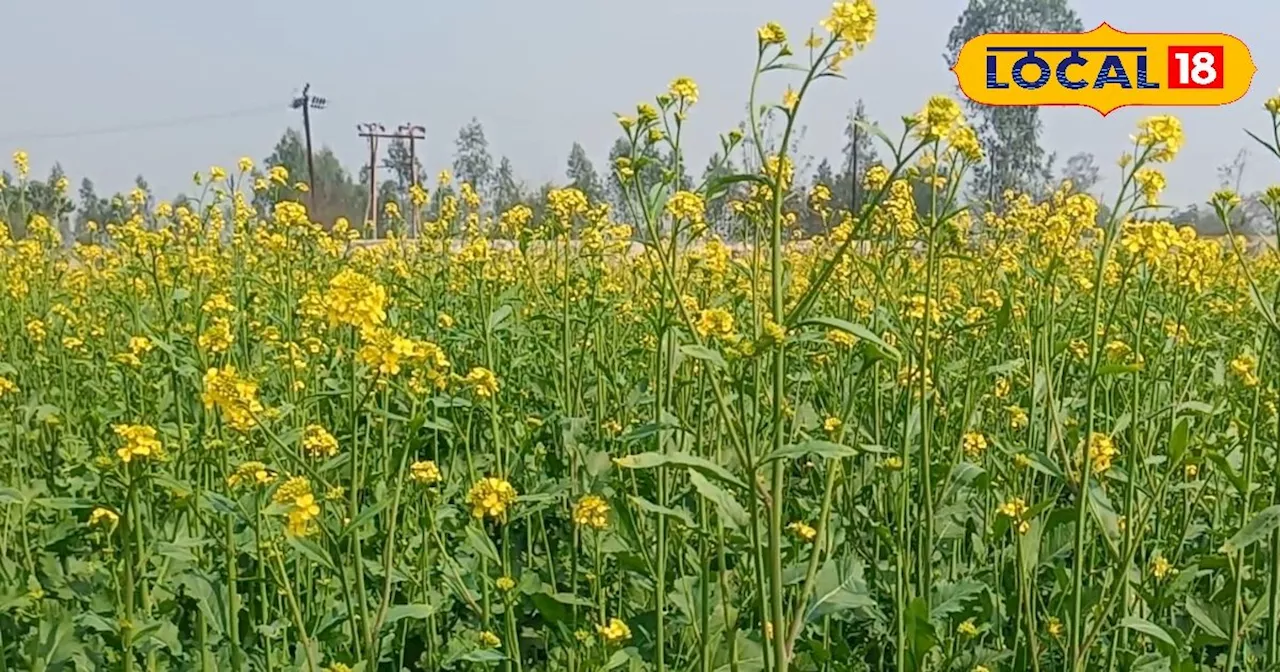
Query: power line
141,126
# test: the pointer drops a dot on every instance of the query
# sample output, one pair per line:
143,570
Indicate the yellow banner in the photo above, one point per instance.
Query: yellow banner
1104,69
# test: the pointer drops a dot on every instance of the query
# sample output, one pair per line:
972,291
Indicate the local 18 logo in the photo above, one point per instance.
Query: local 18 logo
1104,69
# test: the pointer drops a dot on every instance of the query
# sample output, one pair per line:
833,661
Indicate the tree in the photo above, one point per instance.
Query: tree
649,171
471,160
1231,175
1082,170
436,202
719,217
1251,217
537,202
507,192
582,175
289,153
859,155
93,208
1010,134
401,169
824,175
335,194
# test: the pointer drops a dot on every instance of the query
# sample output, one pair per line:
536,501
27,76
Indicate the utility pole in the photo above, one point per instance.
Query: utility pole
413,134
372,131
855,186
306,102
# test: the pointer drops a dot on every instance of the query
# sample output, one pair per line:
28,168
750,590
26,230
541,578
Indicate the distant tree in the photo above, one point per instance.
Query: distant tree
92,208
1082,170
649,166
1010,134
140,183
335,192
582,175
538,201
719,217
824,175
507,192
437,200
290,153
1251,217
1231,174
471,160
401,169
859,155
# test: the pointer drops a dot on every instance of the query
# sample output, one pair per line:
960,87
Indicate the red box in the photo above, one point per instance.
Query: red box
1195,67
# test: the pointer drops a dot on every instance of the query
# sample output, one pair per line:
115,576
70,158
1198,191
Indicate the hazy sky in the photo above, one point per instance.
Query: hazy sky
539,75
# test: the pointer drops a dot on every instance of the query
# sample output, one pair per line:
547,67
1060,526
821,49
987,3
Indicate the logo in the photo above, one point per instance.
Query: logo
1104,69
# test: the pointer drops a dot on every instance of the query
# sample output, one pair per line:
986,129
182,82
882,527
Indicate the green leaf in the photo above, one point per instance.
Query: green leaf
731,512
311,550
1270,147
705,354
966,474
483,656
839,586
854,329
181,549
950,598
482,544
499,317
1115,369
618,659
1264,523
13,601
1101,507
720,184
1262,305
1199,614
1147,628
1179,440
364,517
1194,406
220,503
416,612
1044,464
649,507
62,503
1224,467
823,449
1150,662
874,129
920,632
209,600
653,459
1004,314
54,644
96,623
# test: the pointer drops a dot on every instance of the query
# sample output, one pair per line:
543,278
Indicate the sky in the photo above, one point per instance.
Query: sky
190,85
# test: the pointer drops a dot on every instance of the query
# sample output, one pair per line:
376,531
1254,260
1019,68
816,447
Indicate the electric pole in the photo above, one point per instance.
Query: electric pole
855,185
306,102
413,134
372,131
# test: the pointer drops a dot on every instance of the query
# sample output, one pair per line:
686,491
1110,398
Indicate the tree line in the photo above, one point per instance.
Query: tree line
1011,137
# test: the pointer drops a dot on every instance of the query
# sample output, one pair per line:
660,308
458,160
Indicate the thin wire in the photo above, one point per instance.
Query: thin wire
142,126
